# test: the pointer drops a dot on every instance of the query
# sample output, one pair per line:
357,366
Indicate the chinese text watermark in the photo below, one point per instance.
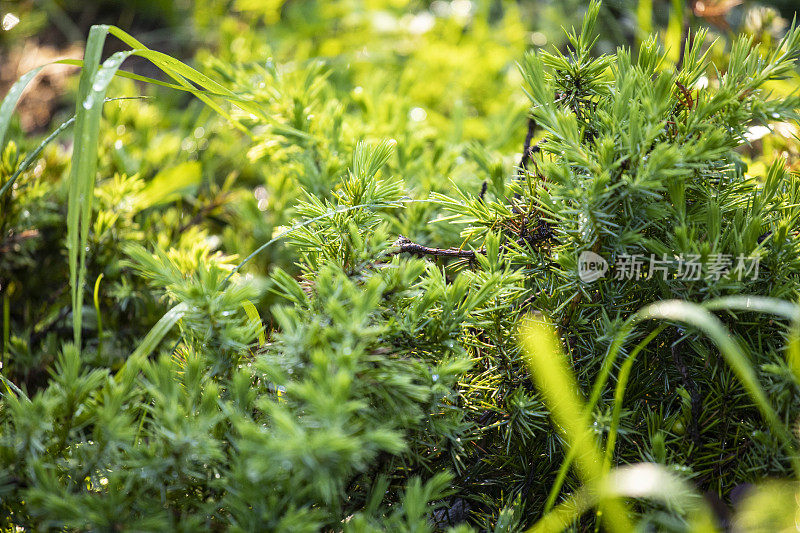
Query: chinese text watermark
689,267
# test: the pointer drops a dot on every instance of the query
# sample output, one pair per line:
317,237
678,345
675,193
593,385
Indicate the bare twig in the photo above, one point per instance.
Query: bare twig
8,244
527,149
407,246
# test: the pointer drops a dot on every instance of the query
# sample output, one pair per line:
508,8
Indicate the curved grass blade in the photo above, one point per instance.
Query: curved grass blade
30,158
152,81
240,101
702,319
11,99
94,82
619,394
555,380
159,331
744,303
758,304
181,71
252,314
646,481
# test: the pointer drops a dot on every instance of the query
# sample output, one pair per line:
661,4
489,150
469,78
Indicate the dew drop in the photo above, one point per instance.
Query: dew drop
9,21
417,114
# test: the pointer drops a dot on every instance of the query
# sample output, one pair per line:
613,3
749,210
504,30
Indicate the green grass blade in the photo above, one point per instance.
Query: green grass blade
793,349
180,71
93,84
159,331
619,394
758,304
647,481
744,303
11,99
597,389
81,178
700,318
252,314
168,184
152,81
184,74
92,88
96,298
30,158
555,380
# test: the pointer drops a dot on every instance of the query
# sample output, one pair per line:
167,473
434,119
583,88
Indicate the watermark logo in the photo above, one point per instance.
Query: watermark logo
591,266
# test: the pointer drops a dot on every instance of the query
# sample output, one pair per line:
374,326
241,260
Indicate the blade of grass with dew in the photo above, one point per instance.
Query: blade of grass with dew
179,70
282,129
31,157
181,73
553,378
81,178
92,87
152,81
11,99
91,92
184,74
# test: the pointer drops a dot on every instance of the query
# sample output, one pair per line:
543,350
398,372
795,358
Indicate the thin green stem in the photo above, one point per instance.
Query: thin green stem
99,315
